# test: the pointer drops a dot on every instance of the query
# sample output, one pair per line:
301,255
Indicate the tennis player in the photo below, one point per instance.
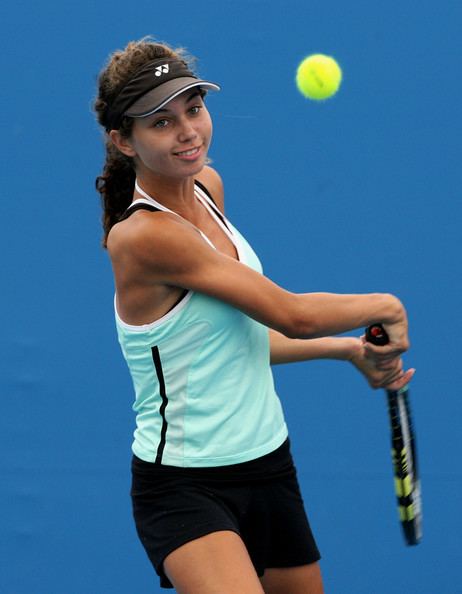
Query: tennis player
215,495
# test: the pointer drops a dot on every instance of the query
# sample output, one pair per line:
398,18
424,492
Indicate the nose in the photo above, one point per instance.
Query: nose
187,131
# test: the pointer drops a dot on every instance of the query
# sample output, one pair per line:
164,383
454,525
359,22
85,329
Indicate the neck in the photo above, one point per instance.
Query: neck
176,194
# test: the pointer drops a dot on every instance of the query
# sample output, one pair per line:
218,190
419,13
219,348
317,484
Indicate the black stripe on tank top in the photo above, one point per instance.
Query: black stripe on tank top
163,406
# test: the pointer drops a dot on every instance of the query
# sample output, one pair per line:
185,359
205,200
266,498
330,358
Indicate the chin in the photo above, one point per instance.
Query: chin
195,168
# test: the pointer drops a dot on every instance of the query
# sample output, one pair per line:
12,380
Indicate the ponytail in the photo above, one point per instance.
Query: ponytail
116,185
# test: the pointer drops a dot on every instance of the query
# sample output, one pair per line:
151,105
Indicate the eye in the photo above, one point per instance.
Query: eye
160,123
195,109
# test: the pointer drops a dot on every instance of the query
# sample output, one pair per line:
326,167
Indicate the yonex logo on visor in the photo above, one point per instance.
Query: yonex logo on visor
161,69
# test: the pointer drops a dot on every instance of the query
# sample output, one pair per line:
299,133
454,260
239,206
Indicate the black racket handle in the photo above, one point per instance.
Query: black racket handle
377,335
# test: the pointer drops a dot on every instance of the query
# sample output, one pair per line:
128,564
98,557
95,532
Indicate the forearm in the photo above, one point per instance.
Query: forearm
328,314
379,375
291,350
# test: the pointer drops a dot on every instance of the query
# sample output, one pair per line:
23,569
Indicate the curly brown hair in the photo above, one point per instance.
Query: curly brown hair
117,180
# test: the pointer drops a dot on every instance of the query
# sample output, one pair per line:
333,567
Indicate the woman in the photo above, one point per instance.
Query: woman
215,494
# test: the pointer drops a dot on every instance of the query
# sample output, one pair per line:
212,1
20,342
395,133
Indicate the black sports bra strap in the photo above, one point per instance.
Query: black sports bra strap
204,189
216,209
140,206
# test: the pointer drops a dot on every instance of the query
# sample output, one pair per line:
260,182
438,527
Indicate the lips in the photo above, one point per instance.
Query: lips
189,152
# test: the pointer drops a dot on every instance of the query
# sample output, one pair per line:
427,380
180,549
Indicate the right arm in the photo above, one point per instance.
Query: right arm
170,251
389,374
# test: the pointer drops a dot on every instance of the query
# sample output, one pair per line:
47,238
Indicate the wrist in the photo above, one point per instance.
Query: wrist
347,348
354,347
389,310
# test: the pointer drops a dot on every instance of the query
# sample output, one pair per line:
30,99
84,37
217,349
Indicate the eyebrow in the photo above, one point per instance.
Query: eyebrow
193,94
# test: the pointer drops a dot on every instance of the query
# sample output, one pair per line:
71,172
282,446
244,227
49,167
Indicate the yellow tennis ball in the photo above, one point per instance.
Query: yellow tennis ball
318,77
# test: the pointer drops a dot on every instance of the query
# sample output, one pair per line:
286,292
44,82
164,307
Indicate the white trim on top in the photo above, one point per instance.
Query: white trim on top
204,199
213,211
154,324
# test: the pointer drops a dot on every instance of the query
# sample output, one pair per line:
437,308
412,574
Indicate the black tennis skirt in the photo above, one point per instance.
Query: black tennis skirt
260,500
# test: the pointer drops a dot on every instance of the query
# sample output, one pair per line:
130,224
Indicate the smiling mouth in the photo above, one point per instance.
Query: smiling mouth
189,152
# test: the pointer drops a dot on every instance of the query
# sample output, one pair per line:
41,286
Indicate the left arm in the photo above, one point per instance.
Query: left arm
291,350
379,374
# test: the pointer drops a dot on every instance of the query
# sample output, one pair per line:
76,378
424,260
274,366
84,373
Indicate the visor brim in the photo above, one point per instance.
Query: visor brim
158,97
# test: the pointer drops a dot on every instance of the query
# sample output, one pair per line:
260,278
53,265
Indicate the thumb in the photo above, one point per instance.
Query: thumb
403,380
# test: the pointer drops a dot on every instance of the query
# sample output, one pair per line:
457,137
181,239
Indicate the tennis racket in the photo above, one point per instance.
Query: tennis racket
403,452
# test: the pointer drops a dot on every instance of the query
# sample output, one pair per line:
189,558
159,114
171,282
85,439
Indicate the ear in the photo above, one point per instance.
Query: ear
123,144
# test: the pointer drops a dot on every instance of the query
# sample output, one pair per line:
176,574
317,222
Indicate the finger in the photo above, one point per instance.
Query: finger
389,360
394,379
402,381
379,356
394,365
383,351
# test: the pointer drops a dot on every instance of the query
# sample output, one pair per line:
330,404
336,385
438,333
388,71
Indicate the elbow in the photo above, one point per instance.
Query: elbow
288,330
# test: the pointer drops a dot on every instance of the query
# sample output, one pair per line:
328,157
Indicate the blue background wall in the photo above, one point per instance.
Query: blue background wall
359,194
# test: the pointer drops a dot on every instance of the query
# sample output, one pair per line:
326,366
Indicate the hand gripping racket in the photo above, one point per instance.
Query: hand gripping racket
403,451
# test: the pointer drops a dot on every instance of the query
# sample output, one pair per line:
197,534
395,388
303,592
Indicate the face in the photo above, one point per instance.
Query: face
172,142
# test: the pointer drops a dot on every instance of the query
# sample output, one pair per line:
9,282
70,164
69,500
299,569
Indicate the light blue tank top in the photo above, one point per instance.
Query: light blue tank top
203,383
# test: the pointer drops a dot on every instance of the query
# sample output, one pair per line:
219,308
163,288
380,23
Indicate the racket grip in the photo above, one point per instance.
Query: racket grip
377,335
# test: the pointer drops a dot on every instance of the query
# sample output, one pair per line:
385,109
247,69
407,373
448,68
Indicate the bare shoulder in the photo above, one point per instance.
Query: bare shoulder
151,239
214,184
